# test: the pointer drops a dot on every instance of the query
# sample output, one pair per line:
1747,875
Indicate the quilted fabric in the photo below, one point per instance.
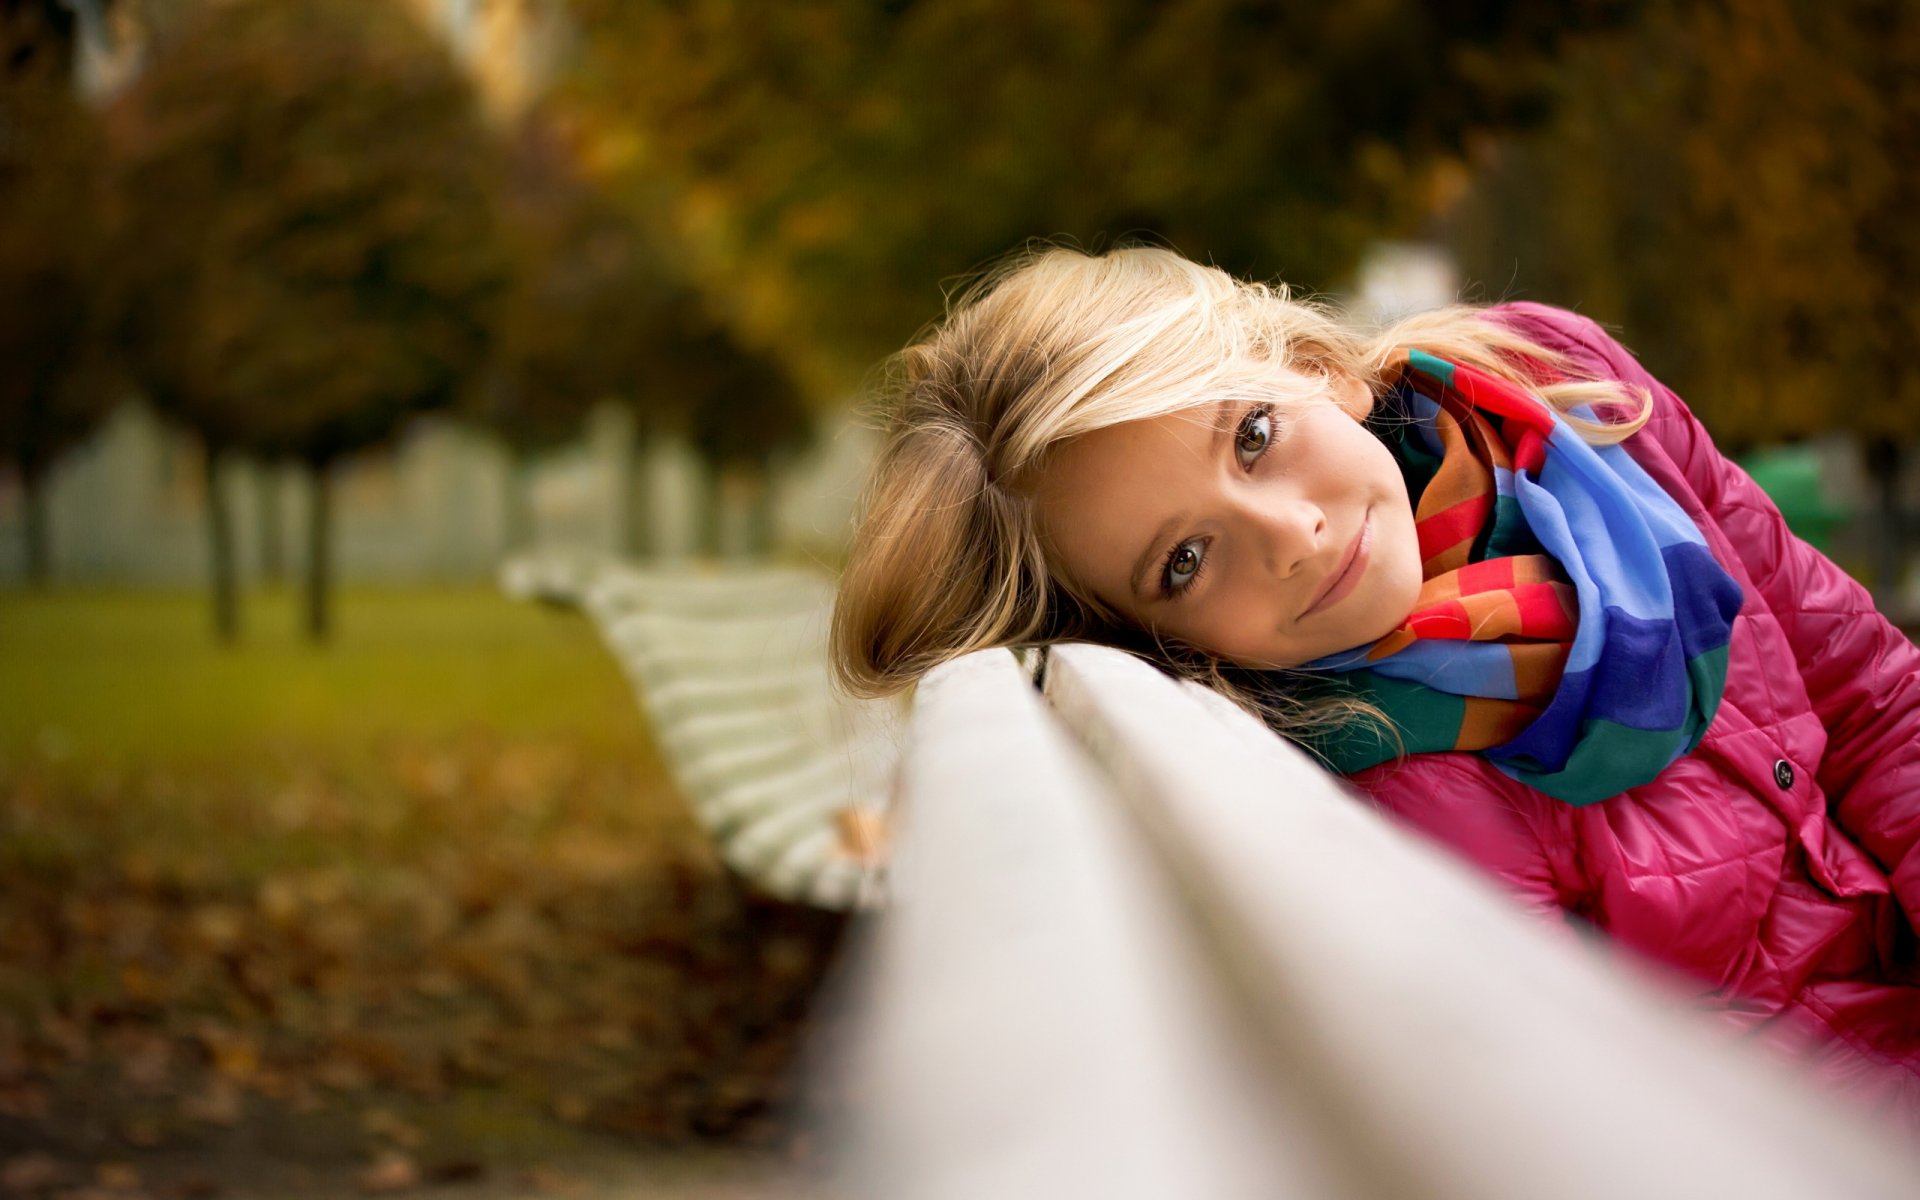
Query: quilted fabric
1778,864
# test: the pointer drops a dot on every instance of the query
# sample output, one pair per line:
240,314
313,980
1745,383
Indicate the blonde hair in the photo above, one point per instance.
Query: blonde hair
1051,343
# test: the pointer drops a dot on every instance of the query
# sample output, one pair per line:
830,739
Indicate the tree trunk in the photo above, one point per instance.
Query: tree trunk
1890,544
638,525
226,592
710,496
273,545
33,485
319,551
743,519
519,497
760,514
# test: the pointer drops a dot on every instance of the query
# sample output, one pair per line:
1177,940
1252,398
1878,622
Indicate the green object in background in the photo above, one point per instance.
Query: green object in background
1791,476
126,676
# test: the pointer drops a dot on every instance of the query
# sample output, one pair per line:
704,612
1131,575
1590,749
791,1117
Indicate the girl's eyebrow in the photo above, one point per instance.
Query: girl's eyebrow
1222,423
1151,555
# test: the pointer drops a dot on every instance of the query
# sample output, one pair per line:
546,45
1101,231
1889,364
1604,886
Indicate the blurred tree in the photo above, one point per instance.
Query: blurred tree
749,418
51,394
1733,185
828,161
309,249
599,309
587,310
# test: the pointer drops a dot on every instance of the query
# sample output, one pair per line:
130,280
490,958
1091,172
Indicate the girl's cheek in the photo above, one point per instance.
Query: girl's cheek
1239,628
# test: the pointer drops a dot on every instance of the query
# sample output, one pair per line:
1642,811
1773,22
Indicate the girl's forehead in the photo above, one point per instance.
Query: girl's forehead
1225,412
1127,461
1284,393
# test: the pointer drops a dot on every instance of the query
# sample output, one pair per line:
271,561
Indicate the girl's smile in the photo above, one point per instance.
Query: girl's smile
1352,568
1265,537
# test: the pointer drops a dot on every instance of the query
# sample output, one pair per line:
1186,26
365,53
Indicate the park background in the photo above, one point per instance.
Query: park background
327,866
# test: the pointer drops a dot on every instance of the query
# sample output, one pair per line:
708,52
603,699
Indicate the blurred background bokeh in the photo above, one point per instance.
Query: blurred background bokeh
325,864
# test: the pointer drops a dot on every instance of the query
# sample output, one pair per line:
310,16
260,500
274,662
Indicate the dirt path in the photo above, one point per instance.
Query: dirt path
692,1174
603,1173
476,1147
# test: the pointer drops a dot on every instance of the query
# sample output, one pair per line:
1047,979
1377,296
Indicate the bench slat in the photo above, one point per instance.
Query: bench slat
1037,1024
1454,1045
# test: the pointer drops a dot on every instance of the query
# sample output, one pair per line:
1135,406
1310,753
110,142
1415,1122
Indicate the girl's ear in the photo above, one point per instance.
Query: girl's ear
1353,395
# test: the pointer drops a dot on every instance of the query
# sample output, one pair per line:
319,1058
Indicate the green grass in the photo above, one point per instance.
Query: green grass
122,677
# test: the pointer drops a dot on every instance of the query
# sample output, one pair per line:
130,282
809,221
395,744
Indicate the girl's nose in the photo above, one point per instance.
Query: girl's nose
1292,532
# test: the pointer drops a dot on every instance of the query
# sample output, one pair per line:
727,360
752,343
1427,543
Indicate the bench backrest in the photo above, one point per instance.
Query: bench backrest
1139,946
789,778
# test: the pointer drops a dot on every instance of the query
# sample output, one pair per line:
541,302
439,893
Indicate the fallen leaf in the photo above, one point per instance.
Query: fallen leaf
219,926
385,1123
340,1074
547,1181
64,1035
216,1104
143,1132
279,901
32,1172
117,1176
389,1173
192,1187
143,985
147,1064
234,1053
437,983
27,1100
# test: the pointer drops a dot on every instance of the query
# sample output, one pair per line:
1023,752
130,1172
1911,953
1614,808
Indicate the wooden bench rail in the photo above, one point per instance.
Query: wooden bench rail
1142,947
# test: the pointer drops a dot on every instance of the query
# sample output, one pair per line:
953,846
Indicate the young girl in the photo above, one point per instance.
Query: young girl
1482,562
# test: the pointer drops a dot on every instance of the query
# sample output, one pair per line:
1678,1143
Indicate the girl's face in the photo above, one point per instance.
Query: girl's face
1268,538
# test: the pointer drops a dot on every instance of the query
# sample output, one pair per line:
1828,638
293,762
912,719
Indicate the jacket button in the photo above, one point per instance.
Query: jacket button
1783,773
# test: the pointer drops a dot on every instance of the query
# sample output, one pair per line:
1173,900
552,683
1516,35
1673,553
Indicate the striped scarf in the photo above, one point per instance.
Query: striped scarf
1573,625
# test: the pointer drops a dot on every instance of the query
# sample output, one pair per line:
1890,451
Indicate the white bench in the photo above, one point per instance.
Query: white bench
788,778
1140,947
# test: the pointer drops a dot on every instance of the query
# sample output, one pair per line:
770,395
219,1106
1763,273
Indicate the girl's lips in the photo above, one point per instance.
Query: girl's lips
1352,566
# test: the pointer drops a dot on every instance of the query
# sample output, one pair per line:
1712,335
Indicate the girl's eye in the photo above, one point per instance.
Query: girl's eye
1183,566
1253,437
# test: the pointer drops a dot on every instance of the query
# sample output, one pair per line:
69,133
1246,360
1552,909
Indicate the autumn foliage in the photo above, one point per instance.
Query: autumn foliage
1732,185
306,238
51,392
827,165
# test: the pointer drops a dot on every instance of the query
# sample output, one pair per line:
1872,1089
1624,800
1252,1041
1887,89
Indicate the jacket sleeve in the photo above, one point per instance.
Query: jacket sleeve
1862,675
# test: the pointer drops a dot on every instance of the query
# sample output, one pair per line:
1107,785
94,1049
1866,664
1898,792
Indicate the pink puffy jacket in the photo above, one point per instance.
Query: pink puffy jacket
1777,863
